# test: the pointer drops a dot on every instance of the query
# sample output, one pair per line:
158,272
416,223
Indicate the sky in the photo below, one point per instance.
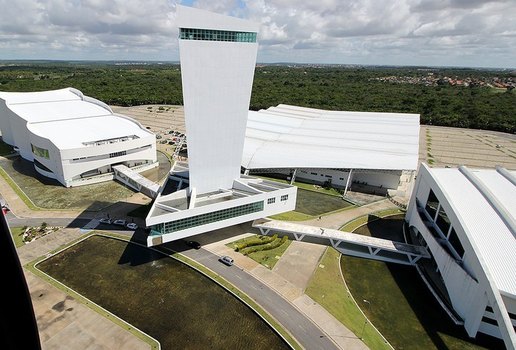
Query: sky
464,33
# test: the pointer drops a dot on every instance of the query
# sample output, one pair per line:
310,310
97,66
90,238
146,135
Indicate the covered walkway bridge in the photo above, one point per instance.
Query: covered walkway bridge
347,243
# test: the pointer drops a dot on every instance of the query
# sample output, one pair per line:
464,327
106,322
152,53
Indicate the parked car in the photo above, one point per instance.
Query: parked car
226,260
159,137
105,221
132,226
120,222
193,244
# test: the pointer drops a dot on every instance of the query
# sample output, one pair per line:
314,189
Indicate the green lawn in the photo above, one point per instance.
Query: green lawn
308,187
17,232
310,204
267,258
328,289
400,305
49,194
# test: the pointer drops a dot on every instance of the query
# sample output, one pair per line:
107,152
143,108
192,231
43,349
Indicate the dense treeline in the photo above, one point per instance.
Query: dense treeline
334,88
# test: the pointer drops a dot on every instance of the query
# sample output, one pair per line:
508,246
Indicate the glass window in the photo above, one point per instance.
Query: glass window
431,205
284,197
203,219
271,200
216,35
455,243
40,152
442,221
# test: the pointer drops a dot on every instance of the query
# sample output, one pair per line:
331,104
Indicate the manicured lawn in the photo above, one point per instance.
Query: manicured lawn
328,289
310,204
400,305
17,232
133,282
267,258
308,187
49,194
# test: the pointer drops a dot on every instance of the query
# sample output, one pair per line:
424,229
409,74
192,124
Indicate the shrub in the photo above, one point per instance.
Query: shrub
254,241
268,246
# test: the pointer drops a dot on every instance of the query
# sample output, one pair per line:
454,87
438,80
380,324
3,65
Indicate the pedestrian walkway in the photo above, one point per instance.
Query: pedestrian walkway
347,243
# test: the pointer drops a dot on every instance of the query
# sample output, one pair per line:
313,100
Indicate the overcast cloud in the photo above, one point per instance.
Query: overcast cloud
479,33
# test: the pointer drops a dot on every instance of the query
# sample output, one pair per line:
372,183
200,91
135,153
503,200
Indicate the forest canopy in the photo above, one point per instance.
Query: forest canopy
477,104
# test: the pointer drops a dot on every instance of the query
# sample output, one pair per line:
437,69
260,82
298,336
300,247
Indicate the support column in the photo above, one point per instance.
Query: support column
293,177
348,181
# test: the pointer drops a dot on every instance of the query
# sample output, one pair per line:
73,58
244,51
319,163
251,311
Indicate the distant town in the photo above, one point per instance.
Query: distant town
432,79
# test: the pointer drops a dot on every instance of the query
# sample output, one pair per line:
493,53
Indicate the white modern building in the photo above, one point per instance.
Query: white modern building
467,220
368,150
218,57
73,138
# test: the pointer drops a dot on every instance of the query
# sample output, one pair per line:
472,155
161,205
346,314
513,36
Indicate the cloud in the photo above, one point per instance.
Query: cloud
450,32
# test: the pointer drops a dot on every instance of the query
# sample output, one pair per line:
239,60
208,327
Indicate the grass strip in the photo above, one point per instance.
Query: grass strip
353,224
328,289
18,190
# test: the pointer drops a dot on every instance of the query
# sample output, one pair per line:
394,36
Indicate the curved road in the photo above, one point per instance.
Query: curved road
302,329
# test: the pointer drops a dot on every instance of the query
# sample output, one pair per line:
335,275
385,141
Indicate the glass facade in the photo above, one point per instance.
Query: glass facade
216,35
440,226
208,218
40,152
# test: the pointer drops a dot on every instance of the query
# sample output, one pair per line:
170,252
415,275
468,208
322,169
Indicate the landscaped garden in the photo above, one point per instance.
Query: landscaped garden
265,250
188,311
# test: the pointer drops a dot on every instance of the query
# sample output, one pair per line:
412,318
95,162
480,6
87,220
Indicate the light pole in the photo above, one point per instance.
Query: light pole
365,321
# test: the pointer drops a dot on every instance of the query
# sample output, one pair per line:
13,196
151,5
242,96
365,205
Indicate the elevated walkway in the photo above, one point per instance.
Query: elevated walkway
348,243
134,180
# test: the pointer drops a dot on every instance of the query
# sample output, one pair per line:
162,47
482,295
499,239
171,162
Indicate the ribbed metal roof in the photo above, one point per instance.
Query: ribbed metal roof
487,230
289,136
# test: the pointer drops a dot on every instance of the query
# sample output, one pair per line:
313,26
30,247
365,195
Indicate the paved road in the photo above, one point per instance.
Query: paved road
307,333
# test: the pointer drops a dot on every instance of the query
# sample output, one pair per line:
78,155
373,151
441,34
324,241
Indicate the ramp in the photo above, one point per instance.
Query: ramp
134,180
348,243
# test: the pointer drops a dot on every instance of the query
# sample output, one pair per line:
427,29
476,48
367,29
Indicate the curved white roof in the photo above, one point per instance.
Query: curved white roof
298,137
486,228
68,118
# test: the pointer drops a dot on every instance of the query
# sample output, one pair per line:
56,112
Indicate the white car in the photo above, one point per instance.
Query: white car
226,260
105,221
120,222
132,226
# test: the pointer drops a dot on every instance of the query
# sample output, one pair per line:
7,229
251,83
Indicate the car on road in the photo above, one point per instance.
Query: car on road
132,226
226,260
193,244
119,222
105,221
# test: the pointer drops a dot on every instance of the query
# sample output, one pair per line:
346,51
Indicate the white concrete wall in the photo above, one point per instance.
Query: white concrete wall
469,296
269,209
217,79
338,177
5,123
73,168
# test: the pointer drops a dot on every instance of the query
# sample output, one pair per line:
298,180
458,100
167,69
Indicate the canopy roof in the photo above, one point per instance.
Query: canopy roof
298,137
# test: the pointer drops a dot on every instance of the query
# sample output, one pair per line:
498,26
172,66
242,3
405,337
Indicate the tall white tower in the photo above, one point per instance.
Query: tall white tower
218,57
